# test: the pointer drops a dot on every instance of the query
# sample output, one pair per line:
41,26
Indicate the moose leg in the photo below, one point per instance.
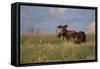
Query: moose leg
63,37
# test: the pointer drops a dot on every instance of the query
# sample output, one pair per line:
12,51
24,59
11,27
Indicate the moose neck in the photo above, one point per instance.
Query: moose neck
65,33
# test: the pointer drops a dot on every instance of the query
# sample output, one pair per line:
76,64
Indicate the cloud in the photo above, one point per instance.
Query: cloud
91,27
57,12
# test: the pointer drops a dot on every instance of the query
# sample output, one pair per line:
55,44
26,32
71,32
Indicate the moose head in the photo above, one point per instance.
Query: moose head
61,30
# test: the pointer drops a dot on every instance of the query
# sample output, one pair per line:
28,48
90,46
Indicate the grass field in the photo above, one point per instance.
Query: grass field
49,48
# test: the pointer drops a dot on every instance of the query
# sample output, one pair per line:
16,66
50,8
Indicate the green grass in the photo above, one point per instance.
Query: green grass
49,48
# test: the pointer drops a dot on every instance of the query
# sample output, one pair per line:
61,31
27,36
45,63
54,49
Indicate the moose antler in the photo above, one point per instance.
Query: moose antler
59,26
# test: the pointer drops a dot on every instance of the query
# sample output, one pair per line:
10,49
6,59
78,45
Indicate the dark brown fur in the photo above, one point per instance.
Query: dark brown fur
76,37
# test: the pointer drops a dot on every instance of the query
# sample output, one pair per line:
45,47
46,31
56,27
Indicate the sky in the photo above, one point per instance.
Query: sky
46,19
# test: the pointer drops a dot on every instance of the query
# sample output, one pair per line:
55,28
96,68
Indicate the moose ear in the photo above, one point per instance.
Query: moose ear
65,26
59,26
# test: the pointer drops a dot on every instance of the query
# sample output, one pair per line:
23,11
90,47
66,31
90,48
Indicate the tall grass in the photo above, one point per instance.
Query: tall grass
49,48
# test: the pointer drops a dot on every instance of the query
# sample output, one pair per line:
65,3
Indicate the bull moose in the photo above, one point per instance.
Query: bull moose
76,37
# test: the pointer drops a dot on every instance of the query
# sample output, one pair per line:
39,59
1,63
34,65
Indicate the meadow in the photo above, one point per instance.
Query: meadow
37,48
